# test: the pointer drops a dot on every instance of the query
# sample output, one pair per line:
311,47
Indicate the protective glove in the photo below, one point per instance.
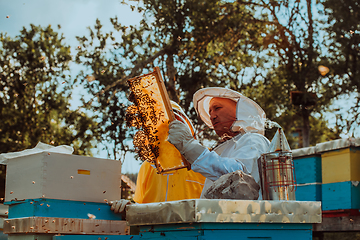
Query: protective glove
118,206
180,136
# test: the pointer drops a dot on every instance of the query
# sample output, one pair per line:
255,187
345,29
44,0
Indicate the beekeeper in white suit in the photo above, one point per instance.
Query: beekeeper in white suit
238,121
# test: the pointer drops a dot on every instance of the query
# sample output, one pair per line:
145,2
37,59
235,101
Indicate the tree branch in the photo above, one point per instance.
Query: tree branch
138,66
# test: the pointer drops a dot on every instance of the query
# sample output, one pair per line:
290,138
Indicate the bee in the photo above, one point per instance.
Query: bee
144,116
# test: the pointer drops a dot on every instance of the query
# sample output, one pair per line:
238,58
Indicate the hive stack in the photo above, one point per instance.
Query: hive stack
340,160
52,194
214,219
332,169
307,165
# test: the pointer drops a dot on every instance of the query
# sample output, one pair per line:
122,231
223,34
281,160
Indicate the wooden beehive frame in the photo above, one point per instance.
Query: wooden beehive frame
150,98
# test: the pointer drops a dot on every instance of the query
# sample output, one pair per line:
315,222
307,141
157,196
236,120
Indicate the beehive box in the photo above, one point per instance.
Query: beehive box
311,192
308,169
341,195
341,165
61,209
307,164
62,176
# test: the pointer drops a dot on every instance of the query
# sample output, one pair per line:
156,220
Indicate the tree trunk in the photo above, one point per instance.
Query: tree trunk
171,72
306,127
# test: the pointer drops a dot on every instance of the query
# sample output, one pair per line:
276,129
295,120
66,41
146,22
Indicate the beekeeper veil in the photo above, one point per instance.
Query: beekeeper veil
181,116
249,115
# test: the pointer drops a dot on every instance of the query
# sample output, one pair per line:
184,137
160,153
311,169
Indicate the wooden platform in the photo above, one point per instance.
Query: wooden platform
340,224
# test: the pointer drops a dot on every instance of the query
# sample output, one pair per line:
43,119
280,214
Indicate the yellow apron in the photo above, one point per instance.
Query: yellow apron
176,185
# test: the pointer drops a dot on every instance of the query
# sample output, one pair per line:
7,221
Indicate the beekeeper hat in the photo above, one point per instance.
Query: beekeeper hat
249,115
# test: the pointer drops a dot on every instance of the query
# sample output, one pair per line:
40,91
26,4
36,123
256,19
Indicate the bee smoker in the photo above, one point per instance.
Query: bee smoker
276,168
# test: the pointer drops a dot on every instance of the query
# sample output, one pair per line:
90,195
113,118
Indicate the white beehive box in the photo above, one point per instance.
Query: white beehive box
62,176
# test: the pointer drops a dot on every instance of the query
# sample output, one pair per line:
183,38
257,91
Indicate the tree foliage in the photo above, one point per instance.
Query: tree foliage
343,45
273,93
294,42
35,90
268,50
195,43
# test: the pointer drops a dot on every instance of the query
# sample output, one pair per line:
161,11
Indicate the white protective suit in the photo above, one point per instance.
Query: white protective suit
242,151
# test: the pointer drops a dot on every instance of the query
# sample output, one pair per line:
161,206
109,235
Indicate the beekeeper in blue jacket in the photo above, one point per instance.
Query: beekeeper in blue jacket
238,121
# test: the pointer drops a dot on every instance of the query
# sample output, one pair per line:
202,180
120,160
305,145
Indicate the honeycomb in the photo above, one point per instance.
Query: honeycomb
151,113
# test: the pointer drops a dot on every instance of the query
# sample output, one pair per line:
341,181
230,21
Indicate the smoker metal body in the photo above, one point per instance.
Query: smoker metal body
276,170
277,176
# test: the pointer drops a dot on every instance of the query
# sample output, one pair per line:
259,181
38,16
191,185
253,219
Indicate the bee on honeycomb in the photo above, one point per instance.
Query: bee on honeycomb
151,113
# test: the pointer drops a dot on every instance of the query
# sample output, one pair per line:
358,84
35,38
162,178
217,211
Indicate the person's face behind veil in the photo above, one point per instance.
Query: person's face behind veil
222,115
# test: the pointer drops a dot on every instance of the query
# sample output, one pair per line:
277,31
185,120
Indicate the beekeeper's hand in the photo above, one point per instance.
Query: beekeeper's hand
180,136
118,206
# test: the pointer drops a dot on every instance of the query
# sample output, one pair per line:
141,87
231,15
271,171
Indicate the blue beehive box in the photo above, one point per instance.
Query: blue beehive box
61,209
341,195
308,169
307,166
308,192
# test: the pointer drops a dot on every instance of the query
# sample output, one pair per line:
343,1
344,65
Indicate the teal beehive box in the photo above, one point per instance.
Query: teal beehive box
307,164
341,195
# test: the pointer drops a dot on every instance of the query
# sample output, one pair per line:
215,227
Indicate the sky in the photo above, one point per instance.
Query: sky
74,16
